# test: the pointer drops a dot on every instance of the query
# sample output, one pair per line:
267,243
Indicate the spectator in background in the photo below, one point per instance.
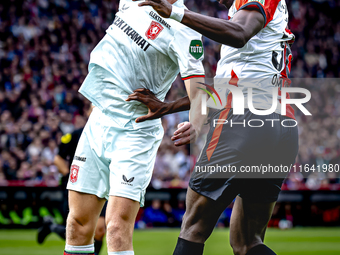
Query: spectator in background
154,216
49,152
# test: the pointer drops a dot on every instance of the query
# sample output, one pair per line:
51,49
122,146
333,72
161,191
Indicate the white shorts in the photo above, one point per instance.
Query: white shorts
111,160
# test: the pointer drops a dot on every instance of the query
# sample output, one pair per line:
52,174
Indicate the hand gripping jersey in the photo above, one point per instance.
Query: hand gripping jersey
264,59
141,50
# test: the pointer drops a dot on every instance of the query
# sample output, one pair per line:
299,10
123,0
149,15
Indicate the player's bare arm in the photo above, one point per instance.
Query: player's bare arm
157,108
235,33
188,132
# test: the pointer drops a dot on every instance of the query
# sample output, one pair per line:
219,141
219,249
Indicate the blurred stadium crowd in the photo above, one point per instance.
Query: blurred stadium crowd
44,52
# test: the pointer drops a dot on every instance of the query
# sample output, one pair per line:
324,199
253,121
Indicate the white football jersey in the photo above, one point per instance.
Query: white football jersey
142,50
264,59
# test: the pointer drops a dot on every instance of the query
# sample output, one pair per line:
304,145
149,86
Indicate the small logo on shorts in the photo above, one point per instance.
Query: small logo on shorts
74,173
127,181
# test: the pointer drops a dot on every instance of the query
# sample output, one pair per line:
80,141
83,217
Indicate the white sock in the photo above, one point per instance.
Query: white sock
79,249
122,253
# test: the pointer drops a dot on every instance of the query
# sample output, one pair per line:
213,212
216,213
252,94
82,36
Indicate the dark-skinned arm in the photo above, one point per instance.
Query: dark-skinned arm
180,105
156,107
187,131
235,33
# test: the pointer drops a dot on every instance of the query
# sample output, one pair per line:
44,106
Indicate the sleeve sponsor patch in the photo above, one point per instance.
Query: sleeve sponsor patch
196,49
66,138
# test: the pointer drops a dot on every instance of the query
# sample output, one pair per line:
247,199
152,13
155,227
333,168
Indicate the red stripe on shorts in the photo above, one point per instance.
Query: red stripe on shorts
223,116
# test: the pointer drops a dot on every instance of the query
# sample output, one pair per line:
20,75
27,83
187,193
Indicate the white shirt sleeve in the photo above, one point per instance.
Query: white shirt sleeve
187,48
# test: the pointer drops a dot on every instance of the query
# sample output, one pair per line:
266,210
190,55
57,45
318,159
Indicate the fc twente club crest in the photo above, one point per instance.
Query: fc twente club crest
74,173
153,31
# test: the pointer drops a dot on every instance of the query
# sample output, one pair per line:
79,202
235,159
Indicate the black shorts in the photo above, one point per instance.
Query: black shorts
247,155
103,212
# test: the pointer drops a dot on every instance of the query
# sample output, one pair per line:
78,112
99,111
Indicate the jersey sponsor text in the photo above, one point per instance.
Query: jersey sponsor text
159,19
130,32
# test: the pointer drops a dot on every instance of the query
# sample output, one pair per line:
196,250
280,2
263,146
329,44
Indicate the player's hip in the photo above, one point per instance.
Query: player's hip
106,135
108,92
110,160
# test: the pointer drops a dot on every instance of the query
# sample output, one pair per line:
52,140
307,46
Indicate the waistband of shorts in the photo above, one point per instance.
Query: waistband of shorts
111,120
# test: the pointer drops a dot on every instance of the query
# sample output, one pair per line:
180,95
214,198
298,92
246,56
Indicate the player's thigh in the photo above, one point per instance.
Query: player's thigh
89,171
133,157
121,213
82,218
84,208
248,223
201,215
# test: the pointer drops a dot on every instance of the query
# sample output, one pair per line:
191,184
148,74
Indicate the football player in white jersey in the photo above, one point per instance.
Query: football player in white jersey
115,155
255,54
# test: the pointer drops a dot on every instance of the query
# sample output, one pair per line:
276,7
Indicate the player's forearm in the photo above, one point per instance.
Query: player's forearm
182,104
219,30
194,89
61,164
195,116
